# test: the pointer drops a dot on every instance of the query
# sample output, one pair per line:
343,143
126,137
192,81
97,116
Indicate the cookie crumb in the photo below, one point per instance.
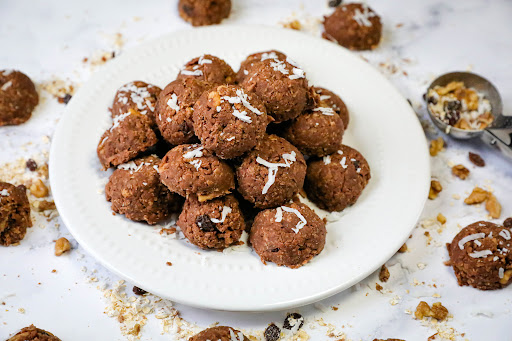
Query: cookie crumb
378,287
294,25
168,263
384,274
62,245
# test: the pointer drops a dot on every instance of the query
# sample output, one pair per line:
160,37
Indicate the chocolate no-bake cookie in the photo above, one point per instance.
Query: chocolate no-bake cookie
32,333
289,235
130,135
174,109
271,173
355,26
318,131
214,224
481,256
254,59
204,12
18,97
281,84
14,213
334,101
337,180
220,333
229,121
191,169
209,69
135,190
138,96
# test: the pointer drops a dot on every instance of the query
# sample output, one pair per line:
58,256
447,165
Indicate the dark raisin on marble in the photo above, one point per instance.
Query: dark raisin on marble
31,165
335,3
291,321
66,98
272,333
205,224
139,291
476,159
508,223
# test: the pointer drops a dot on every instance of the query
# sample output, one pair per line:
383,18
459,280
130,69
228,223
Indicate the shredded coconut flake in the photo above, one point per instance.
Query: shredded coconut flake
6,86
327,159
505,234
325,111
480,254
196,163
192,73
501,272
302,221
203,60
469,238
198,152
5,193
324,97
289,159
343,162
363,18
225,211
173,103
118,119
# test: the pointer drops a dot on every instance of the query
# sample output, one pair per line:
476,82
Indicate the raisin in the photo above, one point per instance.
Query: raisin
272,333
476,159
65,99
31,165
453,117
335,3
205,224
292,320
432,100
275,250
452,105
508,223
139,291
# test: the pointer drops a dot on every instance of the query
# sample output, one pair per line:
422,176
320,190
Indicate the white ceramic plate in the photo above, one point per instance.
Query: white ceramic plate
383,127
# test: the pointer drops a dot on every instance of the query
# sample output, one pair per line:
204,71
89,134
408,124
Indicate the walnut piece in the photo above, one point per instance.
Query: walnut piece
384,274
435,189
506,277
460,171
43,205
403,249
436,146
441,218
39,189
62,245
478,196
438,311
493,206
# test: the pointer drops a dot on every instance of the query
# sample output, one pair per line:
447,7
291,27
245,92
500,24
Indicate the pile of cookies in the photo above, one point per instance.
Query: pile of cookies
238,147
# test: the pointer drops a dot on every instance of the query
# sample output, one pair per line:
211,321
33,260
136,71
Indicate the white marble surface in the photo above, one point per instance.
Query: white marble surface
49,39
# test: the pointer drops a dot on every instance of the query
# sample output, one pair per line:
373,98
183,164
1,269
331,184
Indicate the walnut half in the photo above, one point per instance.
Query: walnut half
438,311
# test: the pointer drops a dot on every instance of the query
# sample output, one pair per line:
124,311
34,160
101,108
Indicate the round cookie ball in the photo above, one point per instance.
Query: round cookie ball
317,132
14,213
130,135
337,180
334,101
32,333
219,333
208,68
204,12
229,121
288,235
135,190
174,109
355,26
191,169
138,96
213,224
249,63
481,256
272,173
281,85
18,97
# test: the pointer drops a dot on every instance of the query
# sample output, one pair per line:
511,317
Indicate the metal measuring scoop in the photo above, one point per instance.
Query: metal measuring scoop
499,133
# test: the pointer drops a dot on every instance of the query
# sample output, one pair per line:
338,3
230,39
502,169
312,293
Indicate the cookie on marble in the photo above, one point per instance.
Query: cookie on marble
204,12
18,97
32,333
14,213
354,26
220,333
481,256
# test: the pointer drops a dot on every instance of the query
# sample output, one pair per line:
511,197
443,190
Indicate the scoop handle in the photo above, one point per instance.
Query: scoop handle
499,139
502,122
